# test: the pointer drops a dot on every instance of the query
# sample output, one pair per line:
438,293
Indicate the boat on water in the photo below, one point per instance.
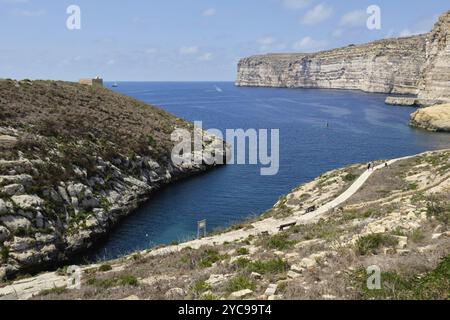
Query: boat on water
115,85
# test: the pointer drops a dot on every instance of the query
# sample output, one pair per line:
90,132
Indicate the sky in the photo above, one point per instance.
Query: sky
186,40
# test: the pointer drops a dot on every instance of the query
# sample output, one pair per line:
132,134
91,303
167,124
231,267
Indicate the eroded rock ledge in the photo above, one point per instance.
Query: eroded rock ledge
436,118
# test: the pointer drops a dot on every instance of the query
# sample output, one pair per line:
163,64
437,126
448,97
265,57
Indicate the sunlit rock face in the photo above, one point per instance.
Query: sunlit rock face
418,65
435,83
386,66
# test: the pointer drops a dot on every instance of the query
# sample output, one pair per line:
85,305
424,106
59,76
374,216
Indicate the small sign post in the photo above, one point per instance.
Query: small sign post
201,225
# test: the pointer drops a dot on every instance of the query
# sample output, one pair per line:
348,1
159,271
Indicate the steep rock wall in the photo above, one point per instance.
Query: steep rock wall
418,65
435,83
387,66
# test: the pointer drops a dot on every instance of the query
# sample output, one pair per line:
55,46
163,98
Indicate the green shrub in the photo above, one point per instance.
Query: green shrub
242,251
272,266
279,242
242,263
210,257
200,287
372,242
433,285
105,268
350,177
239,283
4,253
209,297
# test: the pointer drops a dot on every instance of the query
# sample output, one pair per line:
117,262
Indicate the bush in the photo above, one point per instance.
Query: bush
210,257
350,177
239,283
105,268
242,251
279,242
272,266
4,254
372,242
200,287
433,285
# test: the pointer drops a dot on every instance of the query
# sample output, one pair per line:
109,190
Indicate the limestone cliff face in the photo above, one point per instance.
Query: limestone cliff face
418,65
436,118
435,83
387,66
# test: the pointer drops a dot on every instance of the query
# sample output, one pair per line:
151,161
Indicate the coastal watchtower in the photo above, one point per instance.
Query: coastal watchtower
98,82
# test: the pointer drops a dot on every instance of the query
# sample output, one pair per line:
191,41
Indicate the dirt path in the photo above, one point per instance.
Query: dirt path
27,288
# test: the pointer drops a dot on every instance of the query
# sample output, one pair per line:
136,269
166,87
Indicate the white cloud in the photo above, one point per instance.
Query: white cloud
206,57
296,4
318,14
209,12
353,19
185,50
357,18
308,44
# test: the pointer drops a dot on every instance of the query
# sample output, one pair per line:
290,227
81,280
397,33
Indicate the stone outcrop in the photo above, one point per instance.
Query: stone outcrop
436,118
401,101
417,65
62,189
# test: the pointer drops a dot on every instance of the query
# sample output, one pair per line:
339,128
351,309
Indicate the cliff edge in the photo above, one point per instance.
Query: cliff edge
418,65
74,160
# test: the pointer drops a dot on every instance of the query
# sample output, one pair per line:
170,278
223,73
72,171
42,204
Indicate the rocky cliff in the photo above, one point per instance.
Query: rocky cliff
416,65
435,82
435,118
74,160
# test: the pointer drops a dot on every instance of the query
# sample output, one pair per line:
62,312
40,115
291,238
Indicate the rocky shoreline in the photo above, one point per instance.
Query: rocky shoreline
62,191
435,118
398,219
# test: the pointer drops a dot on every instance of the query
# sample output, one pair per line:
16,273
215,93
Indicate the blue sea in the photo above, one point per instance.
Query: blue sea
360,128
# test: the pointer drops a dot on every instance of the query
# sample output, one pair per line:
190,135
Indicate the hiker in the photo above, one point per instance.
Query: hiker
368,166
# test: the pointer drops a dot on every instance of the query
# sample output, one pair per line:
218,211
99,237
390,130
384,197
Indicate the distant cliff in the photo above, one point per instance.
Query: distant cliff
417,65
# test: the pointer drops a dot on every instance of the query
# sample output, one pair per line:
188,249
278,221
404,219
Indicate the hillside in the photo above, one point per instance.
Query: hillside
395,217
74,160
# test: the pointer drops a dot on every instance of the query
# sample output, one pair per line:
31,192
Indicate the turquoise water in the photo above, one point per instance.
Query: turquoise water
361,128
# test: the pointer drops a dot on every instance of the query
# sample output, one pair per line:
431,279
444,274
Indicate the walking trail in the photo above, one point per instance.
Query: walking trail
27,288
